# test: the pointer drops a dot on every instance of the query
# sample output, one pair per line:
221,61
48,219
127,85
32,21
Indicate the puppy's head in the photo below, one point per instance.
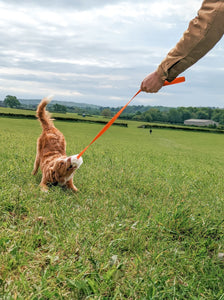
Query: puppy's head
64,167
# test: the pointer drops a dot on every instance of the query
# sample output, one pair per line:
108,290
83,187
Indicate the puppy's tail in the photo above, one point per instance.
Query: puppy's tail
43,116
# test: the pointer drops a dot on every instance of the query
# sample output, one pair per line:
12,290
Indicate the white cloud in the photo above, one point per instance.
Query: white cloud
96,50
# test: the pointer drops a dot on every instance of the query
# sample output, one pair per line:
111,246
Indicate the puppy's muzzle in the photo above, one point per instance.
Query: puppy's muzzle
74,162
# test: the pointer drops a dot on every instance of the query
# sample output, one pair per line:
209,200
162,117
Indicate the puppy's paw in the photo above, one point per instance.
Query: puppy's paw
43,188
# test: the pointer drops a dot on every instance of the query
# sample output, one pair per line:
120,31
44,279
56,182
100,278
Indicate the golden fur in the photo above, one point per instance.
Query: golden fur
56,167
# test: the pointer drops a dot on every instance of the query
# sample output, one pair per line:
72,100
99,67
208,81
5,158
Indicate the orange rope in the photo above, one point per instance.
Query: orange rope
177,80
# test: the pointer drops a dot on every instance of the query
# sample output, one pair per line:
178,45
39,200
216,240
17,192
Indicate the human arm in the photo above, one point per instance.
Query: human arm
203,33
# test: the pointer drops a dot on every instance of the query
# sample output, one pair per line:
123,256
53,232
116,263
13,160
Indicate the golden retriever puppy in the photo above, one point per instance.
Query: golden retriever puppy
56,167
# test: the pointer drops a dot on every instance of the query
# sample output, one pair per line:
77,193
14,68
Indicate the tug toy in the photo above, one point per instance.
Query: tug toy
176,80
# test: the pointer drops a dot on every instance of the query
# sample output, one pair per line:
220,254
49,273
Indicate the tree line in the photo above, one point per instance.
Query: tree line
137,112
178,115
13,102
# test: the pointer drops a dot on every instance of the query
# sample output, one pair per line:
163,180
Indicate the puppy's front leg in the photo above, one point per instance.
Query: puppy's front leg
70,185
43,186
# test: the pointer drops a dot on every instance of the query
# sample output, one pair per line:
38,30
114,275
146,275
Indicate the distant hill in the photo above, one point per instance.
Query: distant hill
129,109
34,102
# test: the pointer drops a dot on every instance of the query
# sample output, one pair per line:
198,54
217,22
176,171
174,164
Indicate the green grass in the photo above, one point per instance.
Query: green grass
147,222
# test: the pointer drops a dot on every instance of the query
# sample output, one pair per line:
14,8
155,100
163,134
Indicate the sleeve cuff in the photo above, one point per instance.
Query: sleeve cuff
162,74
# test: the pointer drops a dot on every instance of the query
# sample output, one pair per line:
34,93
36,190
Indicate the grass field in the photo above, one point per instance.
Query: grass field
147,222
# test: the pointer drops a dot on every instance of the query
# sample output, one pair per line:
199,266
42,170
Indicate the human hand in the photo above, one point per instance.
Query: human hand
152,83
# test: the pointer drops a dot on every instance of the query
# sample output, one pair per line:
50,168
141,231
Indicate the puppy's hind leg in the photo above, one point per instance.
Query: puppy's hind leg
36,165
37,159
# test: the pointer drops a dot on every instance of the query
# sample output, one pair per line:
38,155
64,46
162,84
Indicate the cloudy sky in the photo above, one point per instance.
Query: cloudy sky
99,51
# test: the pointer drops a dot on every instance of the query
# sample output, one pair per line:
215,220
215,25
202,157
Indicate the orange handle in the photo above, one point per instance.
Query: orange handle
176,80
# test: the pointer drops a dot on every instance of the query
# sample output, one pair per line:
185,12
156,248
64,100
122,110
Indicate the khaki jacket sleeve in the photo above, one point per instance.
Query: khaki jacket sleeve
203,33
